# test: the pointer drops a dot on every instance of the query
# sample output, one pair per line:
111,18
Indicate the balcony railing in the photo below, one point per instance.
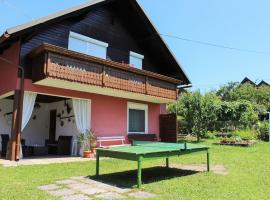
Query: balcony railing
50,61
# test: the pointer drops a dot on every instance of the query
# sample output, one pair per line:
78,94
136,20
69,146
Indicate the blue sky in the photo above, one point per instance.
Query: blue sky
243,24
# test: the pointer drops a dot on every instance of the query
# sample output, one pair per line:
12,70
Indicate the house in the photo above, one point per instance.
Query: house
263,84
246,80
101,65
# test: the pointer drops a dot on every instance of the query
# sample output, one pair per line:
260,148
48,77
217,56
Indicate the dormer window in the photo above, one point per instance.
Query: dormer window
135,60
87,45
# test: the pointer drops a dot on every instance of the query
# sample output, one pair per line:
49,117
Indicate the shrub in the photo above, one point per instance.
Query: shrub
210,135
183,127
246,134
263,129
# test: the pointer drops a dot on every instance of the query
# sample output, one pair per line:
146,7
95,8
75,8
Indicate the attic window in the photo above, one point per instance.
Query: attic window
87,45
135,60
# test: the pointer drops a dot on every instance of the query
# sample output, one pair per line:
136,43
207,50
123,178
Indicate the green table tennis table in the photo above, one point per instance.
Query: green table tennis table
143,150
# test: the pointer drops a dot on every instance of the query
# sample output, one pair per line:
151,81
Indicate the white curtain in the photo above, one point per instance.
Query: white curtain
82,114
29,99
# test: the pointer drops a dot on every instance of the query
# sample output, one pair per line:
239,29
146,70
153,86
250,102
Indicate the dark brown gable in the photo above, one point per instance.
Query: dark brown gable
120,23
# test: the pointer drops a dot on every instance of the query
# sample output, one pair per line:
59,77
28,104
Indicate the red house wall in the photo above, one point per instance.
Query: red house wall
8,72
108,114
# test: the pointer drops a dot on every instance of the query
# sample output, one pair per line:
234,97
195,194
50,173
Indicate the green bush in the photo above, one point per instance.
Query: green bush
263,129
183,127
210,135
246,134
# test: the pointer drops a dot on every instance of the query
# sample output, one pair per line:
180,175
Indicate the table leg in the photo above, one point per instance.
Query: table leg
167,162
139,172
97,164
208,161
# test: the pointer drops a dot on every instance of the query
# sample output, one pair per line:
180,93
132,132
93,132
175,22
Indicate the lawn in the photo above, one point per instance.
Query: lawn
248,176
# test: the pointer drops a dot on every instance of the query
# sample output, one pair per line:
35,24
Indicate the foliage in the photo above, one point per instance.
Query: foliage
87,140
210,135
226,92
198,111
232,107
183,127
258,96
201,113
246,134
263,129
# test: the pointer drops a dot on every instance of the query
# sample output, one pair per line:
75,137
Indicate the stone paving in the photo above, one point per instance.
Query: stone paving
43,161
84,188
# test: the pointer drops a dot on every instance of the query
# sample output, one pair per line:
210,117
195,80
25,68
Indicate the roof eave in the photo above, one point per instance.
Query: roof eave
47,18
162,40
4,37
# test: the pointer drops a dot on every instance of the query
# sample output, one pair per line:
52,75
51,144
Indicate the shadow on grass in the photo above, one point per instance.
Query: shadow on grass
128,179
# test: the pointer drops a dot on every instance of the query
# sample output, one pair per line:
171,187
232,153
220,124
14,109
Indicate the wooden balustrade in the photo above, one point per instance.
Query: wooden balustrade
55,62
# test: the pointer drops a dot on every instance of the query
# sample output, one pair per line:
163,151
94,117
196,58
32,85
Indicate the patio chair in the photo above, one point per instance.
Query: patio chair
4,144
142,137
62,146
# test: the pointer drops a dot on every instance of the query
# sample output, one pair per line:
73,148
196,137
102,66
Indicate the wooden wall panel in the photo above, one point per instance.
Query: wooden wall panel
102,24
168,128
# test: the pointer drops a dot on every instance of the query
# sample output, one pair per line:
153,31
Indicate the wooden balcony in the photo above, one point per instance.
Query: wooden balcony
56,63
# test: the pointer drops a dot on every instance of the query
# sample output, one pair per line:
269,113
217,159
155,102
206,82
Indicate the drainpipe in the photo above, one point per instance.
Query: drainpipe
17,116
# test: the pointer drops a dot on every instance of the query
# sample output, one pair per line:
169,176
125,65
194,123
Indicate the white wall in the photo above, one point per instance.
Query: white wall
69,128
37,131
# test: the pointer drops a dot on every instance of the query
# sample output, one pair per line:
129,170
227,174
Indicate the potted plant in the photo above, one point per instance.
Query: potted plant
88,142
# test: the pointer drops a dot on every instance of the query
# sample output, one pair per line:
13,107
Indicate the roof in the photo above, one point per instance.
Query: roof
21,29
41,20
247,80
263,83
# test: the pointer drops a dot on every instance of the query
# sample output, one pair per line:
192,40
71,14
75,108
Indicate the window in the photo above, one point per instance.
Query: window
136,60
137,118
87,45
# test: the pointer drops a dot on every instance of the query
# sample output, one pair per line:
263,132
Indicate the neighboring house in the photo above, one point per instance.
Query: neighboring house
101,65
246,80
261,84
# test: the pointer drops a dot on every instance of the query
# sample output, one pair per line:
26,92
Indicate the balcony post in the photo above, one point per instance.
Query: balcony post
146,84
103,76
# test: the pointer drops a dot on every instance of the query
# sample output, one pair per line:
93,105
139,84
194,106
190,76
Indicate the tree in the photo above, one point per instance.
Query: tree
199,111
233,105
227,92
258,96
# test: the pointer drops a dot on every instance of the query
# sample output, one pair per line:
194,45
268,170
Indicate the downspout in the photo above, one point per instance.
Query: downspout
16,149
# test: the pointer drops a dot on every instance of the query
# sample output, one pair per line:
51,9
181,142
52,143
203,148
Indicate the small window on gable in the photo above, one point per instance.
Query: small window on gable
137,118
87,45
136,60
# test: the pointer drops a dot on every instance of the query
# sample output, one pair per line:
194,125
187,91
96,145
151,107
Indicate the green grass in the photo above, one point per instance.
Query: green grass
248,178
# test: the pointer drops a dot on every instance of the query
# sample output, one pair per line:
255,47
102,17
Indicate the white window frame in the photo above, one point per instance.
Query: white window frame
136,55
138,106
87,40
